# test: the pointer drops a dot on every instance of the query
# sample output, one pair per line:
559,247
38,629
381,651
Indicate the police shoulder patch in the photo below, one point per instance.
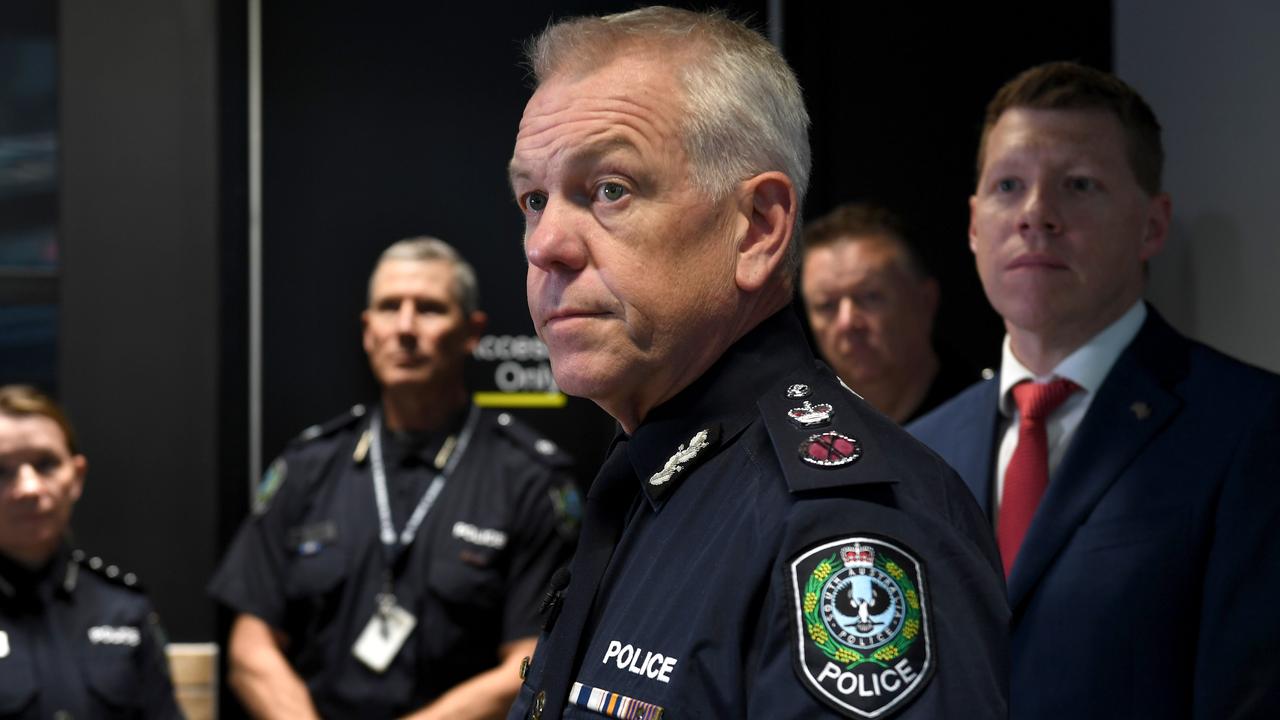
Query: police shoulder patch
272,479
863,640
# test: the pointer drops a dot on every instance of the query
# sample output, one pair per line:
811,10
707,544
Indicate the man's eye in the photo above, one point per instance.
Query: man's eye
1007,185
611,191
1081,184
535,202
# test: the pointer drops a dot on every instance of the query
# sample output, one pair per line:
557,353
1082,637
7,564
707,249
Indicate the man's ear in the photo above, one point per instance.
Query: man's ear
476,323
1159,216
769,204
365,339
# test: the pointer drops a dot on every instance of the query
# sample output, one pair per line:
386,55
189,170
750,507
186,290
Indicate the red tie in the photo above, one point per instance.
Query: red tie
1027,474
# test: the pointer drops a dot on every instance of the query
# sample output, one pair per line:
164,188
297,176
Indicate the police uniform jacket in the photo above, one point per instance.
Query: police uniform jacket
809,560
79,640
309,561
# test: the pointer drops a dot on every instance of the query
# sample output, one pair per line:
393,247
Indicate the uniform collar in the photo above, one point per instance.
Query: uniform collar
721,402
57,575
400,447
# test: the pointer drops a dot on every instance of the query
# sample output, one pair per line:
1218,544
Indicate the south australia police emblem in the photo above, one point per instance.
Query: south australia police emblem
862,625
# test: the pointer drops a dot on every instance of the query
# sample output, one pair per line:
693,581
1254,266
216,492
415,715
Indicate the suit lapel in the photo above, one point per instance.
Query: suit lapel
1132,406
975,459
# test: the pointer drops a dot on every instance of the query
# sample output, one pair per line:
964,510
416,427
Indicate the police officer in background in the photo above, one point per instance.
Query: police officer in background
761,542
395,556
78,639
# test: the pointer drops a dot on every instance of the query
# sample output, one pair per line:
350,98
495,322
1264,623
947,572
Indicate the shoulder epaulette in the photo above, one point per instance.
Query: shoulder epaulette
538,446
331,426
83,562
823,434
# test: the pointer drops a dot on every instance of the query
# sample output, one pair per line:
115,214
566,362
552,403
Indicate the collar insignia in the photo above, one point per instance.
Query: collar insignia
677,462
810,415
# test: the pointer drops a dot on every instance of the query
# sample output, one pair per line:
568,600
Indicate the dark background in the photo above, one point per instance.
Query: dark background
383,120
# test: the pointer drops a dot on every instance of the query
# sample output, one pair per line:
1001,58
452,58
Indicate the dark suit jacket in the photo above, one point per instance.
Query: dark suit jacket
1149,582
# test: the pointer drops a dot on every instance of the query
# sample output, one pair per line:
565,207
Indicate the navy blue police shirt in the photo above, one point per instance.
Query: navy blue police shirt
789,553
309,561
79,639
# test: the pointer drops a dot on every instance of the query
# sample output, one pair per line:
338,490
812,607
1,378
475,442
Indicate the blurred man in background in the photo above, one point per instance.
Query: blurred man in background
395,557
871,305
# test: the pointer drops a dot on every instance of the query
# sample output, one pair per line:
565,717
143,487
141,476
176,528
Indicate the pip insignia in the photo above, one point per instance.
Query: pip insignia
810,415
1140,410
862,625
797,391
830,449
683,455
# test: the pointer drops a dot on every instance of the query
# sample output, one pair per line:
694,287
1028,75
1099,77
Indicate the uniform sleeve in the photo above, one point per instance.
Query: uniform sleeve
157,700
251,576
545,533
936,591
1237,674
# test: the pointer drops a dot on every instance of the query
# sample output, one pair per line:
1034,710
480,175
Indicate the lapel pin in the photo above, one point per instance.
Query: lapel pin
1140,410
810,415
797,391
830,449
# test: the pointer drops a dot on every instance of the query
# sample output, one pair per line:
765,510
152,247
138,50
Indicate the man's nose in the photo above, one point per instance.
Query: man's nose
1040,211
554,240
405,317
848,316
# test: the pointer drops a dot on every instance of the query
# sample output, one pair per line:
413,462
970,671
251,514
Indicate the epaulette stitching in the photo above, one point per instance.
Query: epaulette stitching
320,430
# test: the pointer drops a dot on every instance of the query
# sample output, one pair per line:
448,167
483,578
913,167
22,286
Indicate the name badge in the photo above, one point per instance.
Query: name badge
383,637
4,644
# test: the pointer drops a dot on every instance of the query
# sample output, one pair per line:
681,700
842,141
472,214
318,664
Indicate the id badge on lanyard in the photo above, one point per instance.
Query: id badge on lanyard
391,624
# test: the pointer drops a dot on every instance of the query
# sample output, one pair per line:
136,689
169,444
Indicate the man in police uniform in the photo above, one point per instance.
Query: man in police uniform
760,542
78,639
395,556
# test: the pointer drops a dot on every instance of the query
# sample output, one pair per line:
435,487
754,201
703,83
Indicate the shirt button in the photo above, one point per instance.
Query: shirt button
62,715
539,702
524,667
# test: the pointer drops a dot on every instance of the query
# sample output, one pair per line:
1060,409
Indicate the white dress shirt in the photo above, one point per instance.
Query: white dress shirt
1087,367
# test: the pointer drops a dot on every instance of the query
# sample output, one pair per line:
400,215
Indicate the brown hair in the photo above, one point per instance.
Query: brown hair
1071,86
864,219
24,400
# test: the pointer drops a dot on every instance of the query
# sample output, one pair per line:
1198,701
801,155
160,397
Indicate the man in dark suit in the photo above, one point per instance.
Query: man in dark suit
1128,470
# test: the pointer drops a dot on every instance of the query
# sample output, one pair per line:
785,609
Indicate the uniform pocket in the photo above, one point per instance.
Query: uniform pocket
460,583
114,681
316,574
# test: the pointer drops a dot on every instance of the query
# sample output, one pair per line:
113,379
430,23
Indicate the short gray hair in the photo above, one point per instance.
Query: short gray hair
745,113
426,249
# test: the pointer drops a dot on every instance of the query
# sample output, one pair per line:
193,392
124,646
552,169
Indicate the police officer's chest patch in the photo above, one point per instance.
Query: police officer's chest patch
862,625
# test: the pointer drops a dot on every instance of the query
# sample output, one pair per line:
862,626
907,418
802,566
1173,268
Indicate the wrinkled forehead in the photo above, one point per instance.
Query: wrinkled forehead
632,103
